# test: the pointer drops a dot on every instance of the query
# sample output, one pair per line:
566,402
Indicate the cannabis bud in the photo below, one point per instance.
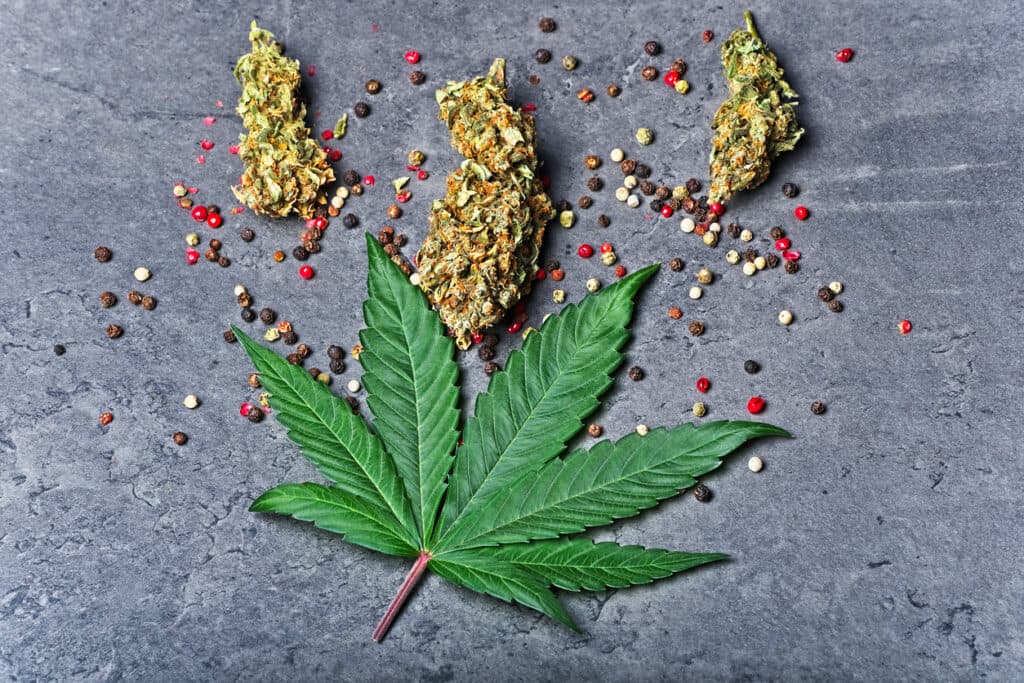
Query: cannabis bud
284,168
757,122
480,256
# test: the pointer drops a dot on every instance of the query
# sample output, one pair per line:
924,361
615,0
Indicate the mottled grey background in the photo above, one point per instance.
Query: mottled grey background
882,543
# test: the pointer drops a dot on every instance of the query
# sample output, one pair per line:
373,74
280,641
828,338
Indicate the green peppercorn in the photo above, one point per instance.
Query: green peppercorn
569,62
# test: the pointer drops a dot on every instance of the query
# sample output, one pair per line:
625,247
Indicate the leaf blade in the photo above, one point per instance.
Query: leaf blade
566,366
415,418
581,564
337,441
612,480
338,511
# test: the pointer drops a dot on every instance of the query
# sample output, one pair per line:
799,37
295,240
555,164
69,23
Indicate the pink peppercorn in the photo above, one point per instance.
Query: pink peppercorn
206,144
716,208
620,270
791,255
541,274
214,220
412,57
422,175
335,155
670,78
369,180
306,272
477,337
782,244
801,213
515,327
245,409
606,247
755,405
905,327
666,211
199,213
585,251
844,55
192,256
703,384
327,134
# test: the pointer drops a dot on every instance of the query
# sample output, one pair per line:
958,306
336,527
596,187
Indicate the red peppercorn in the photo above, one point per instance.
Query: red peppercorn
541,274
306,272
791,255
670,78
666,211
412,57
369,180
717,208
707,36
477,337
245,409
530,107
620,270
515,327
403,196
844,55
905,327
755,405
703,384
606,247
206,144
335,155
801,213
585,251
320,223
214,220
327,134
199,213
192,256
422,175
782,244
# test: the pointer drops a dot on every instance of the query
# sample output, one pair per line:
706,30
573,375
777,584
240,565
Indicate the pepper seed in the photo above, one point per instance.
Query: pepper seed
595,430
702,493
107,299
652,48
180,438
102,254
114,331
818,408
636,374
542,56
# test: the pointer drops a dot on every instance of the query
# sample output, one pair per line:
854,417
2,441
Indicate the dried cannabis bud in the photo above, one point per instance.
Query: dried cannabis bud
284,168
480,255
757,122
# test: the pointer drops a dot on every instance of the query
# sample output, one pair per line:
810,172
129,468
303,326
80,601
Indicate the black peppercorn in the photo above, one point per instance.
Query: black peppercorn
652,48
353,403
223,261
595,184
642,171
702,493
771,260
417,77
335,352
180,438
255,414
676,264
547,25
791,267
676,204
350,220
662,193
107,299
373,86
486,352
636,374
696,328
542,56
647,188
212,208
229,336
491,340
294,358
628,166
289,337
361,110
750,255
248,315
585,202
300,253
59,350
148,303
656,205
114,331
267,316
751,367
693,185
689,205
818,408
649,73
777,233
247,234
491,367
836,306
337,366
825,294
350,177
604,221
734,230
102,254
790,190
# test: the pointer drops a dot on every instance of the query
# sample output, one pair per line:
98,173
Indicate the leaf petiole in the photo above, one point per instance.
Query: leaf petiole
404,591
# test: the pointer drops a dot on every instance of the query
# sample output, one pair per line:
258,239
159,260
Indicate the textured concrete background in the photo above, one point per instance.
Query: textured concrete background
883,542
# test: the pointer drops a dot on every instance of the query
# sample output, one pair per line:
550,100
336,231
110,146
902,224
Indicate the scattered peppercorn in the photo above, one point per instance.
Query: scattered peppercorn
699,409
652,48
394,212
614,90
114,331
485,352
751,367
223,261
844,55
254,380
417,77
595,430
755,405
696,328
649,73
557,274
905,326
248,315
592,161
636,374
777,233
148,302
818,408
180,438
337,365
229,336
491,367
676,264
585,202
107,299
702,493
790,267
569,62
627,166
707,36
294,358
595,184
801,213
303,350
106,418
361,110
373,86
59,349
267,316
790,190
585,95
647,189
102,254
255,414
279,256
825,294
771,260
836,306
350,220
675,313
542,56
547,25
604,221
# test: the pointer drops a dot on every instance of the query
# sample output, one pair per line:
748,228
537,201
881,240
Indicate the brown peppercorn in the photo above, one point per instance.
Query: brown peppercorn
294,358
491,367
696,328
212,208
491,339
179,438
386,235
592,161
818,408
223,261
595,430
361,110
689,204
771,260
679,66
825,294
777,233
148,302
391,249
303,351
707,36
279,256
676,264
662,192
394,211
255,414
134,297
244,300
534,79
649,73
211,255
627,166
647,188
676,204
563,205
248,315
702,493
791,267
734,230
107,299
614,90
106,418
542,56
836,306
215,244
114,331
356,189
289,337
247,234
267,316
595,184
557,274
675,313
547,25
401,240
604,221
585,95
417,77
102,254
254,380
585,202
486,352
652,48
700,229
693,185
229,336
790,190
373,86
636,374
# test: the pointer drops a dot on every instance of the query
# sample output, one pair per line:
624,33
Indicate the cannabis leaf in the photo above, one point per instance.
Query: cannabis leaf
493,514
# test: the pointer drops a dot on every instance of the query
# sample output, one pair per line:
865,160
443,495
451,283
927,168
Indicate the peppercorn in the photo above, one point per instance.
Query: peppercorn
790,190
255,414
106,418
211,255
675,313
557,274
223,261
394,212
107,299
303,350
595,430
361,110
771,260
229,336
699,409
417,77
751,367
401,239
652,48
294,358
569,62
114,331
790,267
491,367
777,233
595,184
647,188
337,366
696,328
836,306
148,302
59,349
702,493
676,264
614,90
705,276
350,177
547,25
692,185
279,256
604,221
490,340
663,193
267,316
592,161
585,95
825,294
486,352
247,234
350,220
373,86
657,205
679,66
733,229
102,254
542,56
818,408
357,190
585,202
707,36
649,73
750,254
627,166
636,374
644,136
335,352
689,205
391,249
248,315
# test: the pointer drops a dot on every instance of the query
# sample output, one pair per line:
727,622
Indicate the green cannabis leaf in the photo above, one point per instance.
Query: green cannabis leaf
493,514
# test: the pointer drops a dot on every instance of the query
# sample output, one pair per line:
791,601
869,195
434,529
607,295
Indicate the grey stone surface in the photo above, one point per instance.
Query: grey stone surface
882,543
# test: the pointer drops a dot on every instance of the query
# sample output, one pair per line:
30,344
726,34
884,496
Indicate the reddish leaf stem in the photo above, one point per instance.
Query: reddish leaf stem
403,594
